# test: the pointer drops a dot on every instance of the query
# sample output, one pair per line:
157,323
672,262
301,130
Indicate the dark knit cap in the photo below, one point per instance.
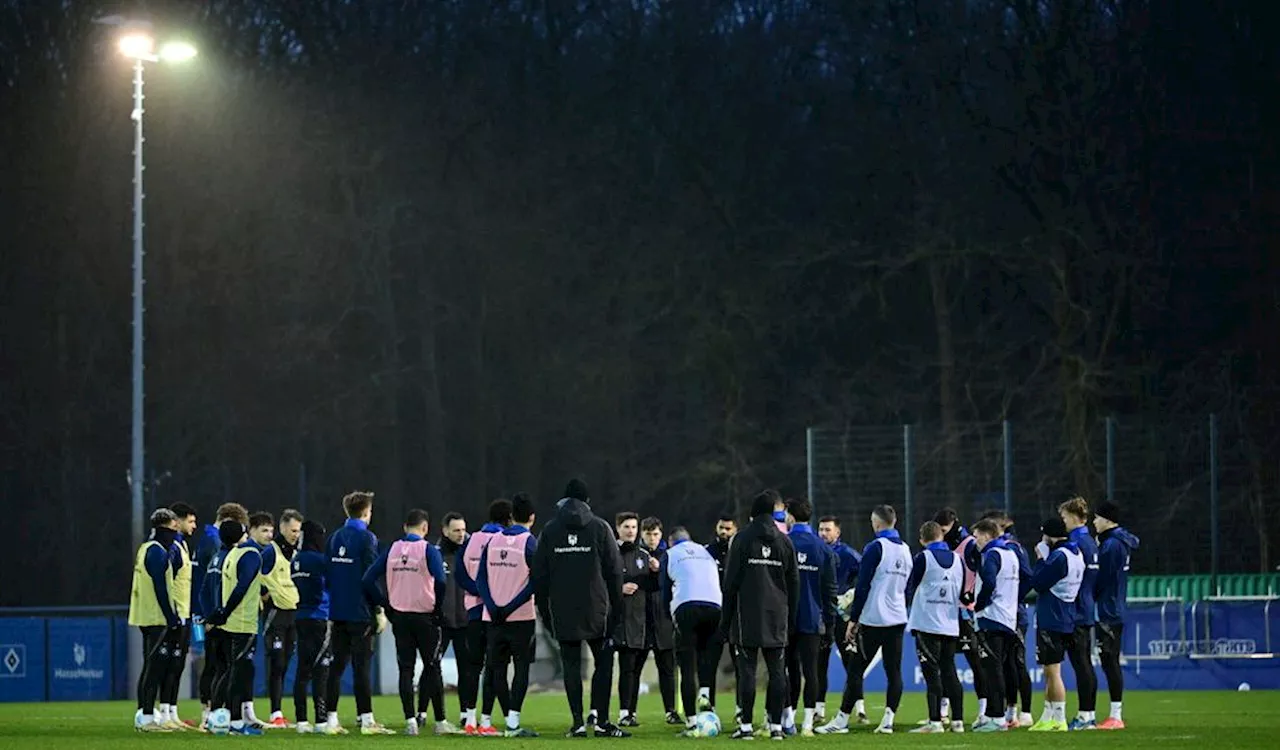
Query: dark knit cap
577,489
1109,511
1054,528
231,532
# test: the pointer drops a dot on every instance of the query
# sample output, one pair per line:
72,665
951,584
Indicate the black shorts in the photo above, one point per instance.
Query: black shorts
513,641
1082,638
1051,647
697,627
1109,637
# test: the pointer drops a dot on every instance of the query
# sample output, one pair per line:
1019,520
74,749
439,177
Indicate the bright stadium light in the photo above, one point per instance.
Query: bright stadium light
137,46
177,52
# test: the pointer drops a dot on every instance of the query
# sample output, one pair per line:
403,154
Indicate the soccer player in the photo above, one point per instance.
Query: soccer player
877,619
280,633
151,610
1017,680
453,610
506,587
961,542
817,610
761,599
630,638
847,561
1057,579
1002,577
237,616
183,593
314,655
354,620
691,592
411,573
207,594
1075,514
933,596
471,671
577,580
659,628
726,529
1116,546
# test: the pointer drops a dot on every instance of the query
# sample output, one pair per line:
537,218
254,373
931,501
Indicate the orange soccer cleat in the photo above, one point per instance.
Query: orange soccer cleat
1111,723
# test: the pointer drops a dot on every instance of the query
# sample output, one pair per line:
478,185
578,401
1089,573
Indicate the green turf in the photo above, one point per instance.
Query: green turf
1165,719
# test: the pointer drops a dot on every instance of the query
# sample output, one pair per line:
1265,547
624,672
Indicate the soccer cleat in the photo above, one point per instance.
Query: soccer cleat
520,732
445,728
248,730
411,727
832,727
862,718
489,731
152,726
256,724
742,734
1025,719
1079,725
884,729
1111,723
957,726
198,726
174,725
930,727
704,704
577,732
374,728
1012,723
608,729
279,723
304,727
777,735
990,726
1048,725
807,732
471,730
674,719
690,732
628,721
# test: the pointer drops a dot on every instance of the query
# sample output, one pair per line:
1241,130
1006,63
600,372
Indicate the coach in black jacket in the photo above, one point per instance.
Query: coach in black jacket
761,598
577,582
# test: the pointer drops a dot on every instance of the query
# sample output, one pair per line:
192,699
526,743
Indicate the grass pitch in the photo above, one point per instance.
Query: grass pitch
1155,719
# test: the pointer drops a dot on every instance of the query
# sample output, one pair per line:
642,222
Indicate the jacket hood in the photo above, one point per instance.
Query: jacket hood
574,513
1125,536
768,529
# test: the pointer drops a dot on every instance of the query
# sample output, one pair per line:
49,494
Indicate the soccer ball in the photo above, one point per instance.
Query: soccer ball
220,721
1244,687
707,724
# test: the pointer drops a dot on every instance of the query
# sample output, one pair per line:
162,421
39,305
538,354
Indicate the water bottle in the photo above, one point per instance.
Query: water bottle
197,631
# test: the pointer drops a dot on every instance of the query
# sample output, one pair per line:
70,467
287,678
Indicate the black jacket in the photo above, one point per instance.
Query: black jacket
761,587
453,610
719,550
660,628
631,630
577,574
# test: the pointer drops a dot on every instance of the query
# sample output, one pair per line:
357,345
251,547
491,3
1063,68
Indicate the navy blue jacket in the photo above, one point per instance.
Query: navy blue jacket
871,557
1024,561
375,578
989,573
211,586
203,546
1085,614
817,565
847,562
351,550
496,613
468,584
1113,574
941,552
1052,613
309,575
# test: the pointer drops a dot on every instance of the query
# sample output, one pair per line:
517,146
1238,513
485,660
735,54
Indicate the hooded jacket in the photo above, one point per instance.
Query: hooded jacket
309,567
817,569
453,608
1117,545
577,574
1053,614
761,587
719,550
351,551
630,632
660,628
203,547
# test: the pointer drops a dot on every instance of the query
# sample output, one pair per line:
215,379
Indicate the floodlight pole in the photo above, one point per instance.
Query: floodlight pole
137,472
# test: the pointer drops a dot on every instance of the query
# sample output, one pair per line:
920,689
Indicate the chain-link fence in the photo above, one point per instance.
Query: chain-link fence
1200,493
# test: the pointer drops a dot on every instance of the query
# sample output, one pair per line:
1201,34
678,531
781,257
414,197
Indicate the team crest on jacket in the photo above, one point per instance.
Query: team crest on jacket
502,553
342,552
297,565
639,563
765,551
897,564
802,557
573,540
942,593
404,559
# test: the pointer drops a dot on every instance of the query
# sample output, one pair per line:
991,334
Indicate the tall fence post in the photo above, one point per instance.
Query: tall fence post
1213,500
808,456
1006,439
1111,459
908,476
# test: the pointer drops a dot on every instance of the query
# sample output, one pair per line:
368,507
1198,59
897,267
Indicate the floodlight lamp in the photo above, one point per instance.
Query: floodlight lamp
177,52
136,45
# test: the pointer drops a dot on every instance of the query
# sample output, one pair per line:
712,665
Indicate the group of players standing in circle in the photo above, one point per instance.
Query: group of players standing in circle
773,589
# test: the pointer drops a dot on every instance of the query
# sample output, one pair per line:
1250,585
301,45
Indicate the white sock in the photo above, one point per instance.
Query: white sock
788,717
775,727
246,710
808,718
623,713
469,717
1115,710
1059,710
821,708
1010,713
486,720
704,693
859,707
148,718
946,707
887,721
411,721
366,719
841,721
162,712
982,707
204,714
237,724
1089,715
513,720
277,715
746,728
